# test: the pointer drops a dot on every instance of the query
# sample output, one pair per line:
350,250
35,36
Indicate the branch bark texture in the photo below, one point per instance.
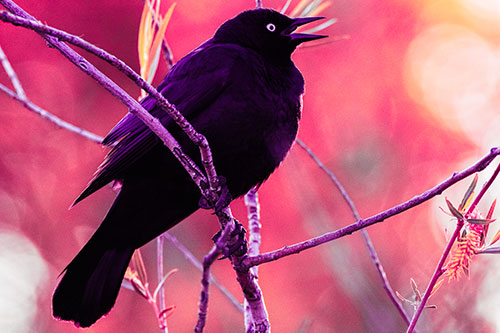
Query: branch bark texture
363,223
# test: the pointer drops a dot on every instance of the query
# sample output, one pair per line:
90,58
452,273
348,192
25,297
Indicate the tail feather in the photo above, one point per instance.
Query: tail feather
90,285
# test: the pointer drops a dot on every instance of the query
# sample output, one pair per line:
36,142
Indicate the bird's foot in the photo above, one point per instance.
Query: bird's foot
222,202
237,243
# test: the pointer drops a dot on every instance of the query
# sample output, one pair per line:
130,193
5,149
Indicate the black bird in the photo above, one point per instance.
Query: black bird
243,92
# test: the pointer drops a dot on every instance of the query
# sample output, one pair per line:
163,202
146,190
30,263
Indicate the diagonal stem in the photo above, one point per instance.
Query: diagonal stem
439,268
12,75
49,116
160,274
208,260
55,37
254,240
196,263
363,223
371,249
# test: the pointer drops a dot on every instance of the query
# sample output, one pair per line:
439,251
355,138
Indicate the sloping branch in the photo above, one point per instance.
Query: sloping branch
363,223
369,244
224,216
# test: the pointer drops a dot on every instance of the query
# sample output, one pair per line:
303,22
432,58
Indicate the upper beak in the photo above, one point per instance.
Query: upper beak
298,38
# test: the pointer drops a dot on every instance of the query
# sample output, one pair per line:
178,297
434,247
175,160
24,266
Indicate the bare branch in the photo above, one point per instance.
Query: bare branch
160,275
209,259
415,201
20,96
439,268
54,36
332,177
196,263
135,108
167,52
254,226
371,249
47,115
98,139
254,240
12,75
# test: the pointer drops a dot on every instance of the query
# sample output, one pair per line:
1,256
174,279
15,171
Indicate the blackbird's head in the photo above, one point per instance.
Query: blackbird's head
265,31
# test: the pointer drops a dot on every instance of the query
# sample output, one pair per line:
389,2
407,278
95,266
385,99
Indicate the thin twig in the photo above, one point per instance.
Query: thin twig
258,3
256,316
196,263
160,275
23,19
12,75
98,139
439,268
167,52
363,223
253,295
20,96
250,289
248,283
134,107
208,260
371,249
47,115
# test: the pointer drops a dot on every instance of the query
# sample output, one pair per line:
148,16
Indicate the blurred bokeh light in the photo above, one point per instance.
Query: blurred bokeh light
455,74
24,278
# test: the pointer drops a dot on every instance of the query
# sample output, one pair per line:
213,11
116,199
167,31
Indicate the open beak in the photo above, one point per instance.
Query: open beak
298,38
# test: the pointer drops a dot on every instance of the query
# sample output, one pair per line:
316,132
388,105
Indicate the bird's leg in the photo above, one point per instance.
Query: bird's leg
237,244
222,202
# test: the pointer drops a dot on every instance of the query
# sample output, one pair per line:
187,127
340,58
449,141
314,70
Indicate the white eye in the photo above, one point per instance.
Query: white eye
271,27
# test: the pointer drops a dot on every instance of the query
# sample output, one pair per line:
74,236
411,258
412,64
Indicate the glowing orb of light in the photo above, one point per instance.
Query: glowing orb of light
454,73
23,274
485,13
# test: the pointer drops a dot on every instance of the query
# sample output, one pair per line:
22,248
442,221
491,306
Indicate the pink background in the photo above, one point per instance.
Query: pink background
407,100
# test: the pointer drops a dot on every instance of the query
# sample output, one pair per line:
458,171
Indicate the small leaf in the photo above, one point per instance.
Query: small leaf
298,8
480,221
418,296
154,53
447,213
164,314
401,298
141,38
454,211
285,7
492,209
139,287
320,27
495,238
468,194
157,8
162,282
138,266
310,7
436,287
320,8
145,36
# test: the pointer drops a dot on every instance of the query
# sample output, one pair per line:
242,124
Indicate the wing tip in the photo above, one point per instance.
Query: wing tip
88,191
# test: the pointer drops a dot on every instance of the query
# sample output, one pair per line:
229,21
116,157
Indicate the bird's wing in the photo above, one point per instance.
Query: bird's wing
192,85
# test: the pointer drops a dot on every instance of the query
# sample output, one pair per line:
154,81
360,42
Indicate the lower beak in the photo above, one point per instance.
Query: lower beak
298,38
